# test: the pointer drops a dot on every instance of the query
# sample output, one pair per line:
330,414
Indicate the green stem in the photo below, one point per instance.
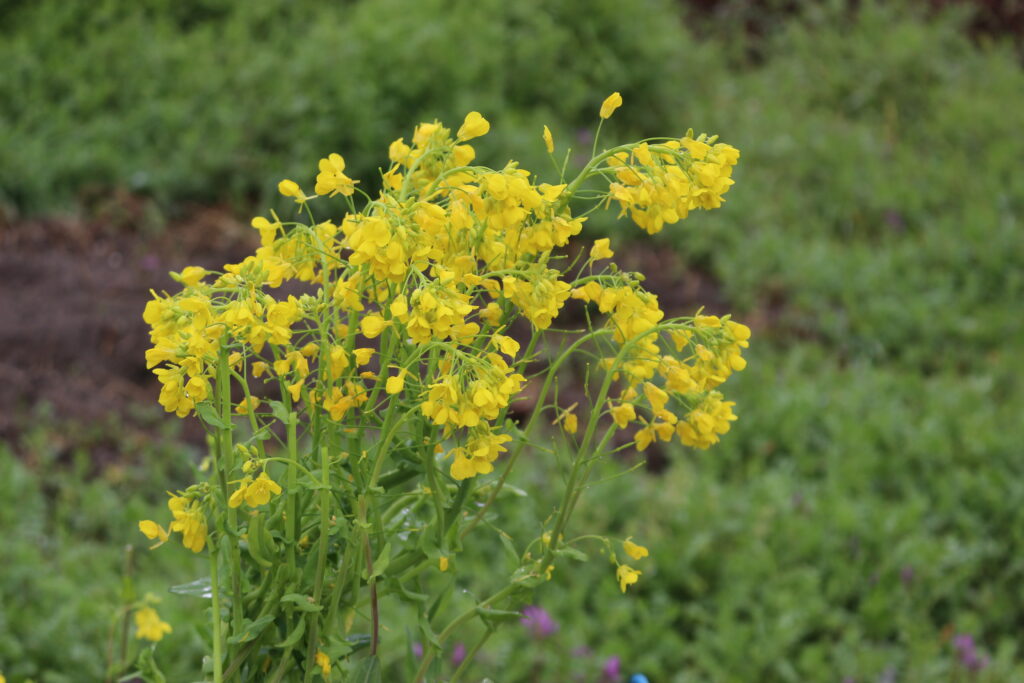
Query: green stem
218,674
538,407
321,560
470,655
428,654
224,467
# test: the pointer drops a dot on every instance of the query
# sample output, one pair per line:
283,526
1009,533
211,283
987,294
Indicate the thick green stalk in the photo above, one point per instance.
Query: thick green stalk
218,672
225,466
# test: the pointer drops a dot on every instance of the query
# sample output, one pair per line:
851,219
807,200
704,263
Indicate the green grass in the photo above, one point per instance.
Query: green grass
209,100
66,528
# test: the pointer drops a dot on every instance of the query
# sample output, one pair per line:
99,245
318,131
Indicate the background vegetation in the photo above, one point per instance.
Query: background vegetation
864,511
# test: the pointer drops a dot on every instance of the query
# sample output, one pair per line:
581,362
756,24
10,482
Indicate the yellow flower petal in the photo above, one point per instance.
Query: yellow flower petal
610,104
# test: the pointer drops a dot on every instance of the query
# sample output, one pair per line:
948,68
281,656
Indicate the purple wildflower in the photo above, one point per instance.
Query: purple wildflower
538,622
458,654
612,669
969,657
417,649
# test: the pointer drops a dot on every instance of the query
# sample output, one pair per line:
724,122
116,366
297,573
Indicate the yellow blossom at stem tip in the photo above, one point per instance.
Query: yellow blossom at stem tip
601,249
627,576
149,625
610,104
634,550
152,531
289,188
474,126
549,142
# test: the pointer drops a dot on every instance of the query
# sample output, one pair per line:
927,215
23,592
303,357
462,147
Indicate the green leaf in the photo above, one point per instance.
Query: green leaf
252,629
293,637
397,587
200,588
575,554
498,615
303,603
380,565
366,671
279,411
358,641
209,416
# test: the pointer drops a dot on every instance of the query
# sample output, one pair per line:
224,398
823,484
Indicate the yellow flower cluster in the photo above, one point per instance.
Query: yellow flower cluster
625,574
662,183
444,259
149,625
189,520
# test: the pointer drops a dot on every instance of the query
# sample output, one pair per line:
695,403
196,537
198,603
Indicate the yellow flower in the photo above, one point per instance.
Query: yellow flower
268,230
570,423
610,104
324,662
190,521
442,563
622,414
259,491
191,275
152,530
549,142
289,188
601,249
474,126
372,325
363,356
332,179
637,552
506,345
627,576
238,496
398,151
149,626
396,383
245,406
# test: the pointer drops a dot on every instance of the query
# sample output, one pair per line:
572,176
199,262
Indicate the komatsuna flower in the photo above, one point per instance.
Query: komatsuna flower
627,576
149,625
634,550
610,104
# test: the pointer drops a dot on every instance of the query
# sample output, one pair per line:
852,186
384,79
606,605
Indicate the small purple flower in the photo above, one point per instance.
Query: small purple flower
417,649
538,622
612,669
969,657
458,654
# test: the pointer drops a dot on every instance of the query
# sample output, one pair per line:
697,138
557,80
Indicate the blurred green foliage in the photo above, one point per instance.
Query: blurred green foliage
867,504
65,524
211,99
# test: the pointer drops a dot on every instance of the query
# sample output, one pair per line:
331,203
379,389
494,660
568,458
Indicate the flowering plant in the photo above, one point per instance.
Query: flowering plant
356,424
